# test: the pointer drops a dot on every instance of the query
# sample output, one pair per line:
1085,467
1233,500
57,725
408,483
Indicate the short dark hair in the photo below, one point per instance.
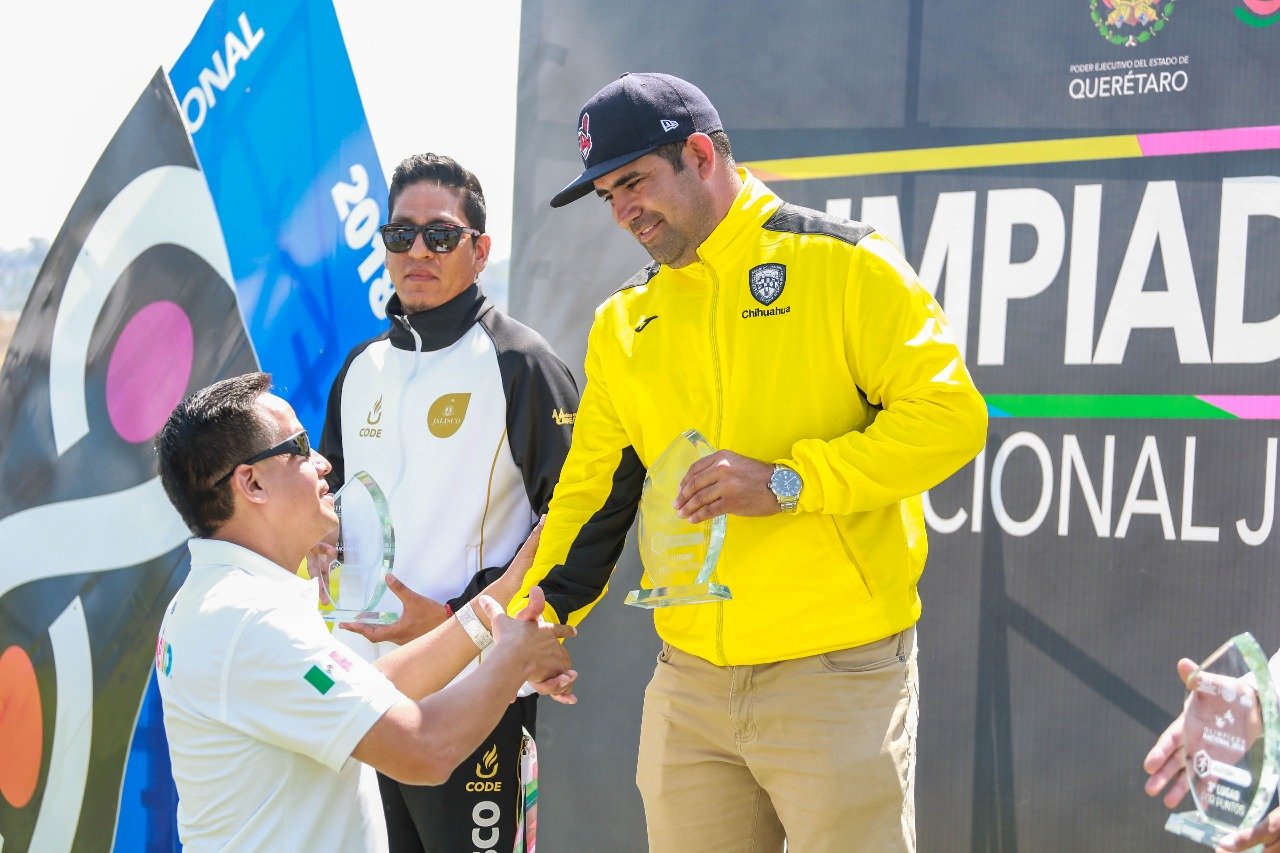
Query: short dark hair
443,171
207,435
724,150
671,151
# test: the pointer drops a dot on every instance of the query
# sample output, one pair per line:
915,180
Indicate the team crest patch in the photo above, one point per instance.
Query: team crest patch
767,281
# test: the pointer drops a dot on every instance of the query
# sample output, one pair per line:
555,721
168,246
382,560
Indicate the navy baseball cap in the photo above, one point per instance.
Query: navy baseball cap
629,118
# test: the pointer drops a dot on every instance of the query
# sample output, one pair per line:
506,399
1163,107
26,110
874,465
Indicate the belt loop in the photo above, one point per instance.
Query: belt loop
902,638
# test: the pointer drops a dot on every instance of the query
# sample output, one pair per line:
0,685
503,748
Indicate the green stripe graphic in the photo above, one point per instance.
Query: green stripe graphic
1133,406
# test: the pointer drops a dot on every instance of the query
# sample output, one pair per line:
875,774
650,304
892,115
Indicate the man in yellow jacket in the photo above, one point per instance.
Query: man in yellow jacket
806,347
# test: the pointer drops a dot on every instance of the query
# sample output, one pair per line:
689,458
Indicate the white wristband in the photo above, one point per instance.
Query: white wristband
475,629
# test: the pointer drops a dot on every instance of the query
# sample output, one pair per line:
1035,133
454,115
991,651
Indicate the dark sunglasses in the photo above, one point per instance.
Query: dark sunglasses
441,239
294,445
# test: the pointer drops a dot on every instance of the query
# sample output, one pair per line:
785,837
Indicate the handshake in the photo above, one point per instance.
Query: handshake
525,643
528,643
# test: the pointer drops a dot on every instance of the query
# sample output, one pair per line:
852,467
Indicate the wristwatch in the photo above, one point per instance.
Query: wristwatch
786,485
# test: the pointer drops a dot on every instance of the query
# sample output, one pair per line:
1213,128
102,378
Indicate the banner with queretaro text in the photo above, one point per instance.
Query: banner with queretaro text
1092,191
267,92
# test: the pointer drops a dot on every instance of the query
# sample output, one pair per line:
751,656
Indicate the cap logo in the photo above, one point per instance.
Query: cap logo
668,125
584,136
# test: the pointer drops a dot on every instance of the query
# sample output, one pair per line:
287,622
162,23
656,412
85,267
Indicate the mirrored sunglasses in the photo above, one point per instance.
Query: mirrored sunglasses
440,239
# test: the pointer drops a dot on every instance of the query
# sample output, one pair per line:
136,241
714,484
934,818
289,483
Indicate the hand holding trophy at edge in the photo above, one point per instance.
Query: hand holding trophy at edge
1224,749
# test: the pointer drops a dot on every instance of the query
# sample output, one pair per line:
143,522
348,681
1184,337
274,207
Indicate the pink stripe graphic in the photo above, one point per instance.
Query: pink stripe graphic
1249,408
1209,141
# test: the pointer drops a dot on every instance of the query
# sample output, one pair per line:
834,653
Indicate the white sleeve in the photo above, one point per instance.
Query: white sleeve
292,685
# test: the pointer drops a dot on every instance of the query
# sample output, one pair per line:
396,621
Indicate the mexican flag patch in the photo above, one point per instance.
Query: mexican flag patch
318,679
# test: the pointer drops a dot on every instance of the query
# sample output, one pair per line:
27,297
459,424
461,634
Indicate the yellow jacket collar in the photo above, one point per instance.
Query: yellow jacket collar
751,209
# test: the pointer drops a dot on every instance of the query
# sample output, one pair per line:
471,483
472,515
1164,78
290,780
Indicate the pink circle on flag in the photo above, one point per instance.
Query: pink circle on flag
149,370
1263,7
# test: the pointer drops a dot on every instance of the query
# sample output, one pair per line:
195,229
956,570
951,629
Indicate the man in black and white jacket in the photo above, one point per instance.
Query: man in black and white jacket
463,416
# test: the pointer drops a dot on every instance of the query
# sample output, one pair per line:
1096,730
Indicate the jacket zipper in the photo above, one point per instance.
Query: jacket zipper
404,393
719,426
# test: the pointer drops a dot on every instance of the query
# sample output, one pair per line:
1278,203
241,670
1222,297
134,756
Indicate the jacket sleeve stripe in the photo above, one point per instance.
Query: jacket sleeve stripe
578,582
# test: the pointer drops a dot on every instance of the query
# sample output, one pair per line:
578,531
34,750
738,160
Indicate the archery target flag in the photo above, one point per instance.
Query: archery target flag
133,309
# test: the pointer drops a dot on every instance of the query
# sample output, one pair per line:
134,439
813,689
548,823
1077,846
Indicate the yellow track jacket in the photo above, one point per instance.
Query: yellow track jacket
849,374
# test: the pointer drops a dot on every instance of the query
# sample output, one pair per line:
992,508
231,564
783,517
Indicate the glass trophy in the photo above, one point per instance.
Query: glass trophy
679,558
356,580
1231,738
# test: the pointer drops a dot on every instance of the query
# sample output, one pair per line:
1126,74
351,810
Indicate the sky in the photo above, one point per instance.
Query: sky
70,71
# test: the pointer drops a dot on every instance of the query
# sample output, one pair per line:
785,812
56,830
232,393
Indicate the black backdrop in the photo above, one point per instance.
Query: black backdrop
1049,633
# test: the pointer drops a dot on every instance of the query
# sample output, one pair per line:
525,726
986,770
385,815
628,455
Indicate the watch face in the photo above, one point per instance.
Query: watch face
785,483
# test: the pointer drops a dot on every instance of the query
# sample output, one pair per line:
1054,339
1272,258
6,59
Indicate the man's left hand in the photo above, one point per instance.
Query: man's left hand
726,482
420,615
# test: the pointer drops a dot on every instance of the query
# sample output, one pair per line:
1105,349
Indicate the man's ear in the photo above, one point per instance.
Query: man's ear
483,244
703,151
246,483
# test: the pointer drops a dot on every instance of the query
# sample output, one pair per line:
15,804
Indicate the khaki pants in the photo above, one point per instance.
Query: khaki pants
819,751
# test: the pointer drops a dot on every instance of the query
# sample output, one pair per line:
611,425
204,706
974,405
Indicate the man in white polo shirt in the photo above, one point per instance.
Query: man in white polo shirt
272,724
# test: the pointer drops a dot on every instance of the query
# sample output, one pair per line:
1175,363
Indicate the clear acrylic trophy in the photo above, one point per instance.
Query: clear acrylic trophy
679,558
1231,738
356,580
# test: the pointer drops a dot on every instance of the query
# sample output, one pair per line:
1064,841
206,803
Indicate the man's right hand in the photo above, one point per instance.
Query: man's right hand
319,558
421,742
1165,763
531,645
559,688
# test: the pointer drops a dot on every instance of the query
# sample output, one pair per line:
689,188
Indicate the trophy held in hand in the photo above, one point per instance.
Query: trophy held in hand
1231,737
679,558
356,581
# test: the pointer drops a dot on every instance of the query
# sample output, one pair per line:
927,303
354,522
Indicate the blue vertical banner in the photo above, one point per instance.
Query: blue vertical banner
267,93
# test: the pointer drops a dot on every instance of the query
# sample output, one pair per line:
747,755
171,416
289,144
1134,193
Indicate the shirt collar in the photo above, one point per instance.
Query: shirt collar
220,553
438,327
